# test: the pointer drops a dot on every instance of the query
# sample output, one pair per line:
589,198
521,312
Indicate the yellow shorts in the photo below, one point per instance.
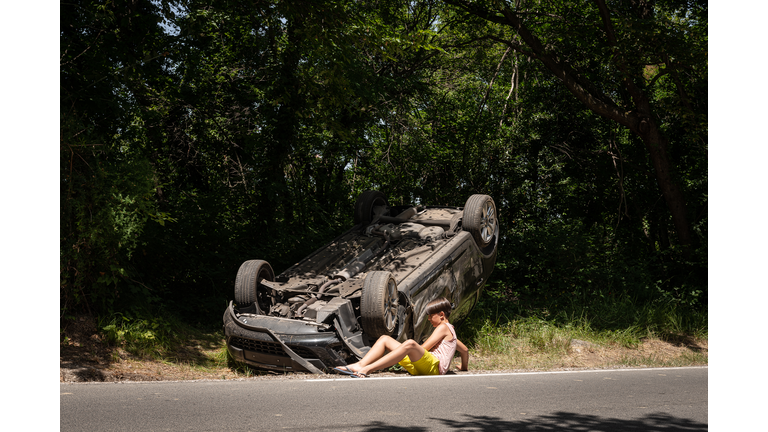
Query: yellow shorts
428,364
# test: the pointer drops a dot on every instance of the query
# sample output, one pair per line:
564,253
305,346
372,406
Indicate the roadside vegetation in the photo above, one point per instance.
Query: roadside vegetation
619,336
197,135
499,340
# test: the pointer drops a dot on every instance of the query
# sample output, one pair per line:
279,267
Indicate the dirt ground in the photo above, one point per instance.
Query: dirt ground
84,357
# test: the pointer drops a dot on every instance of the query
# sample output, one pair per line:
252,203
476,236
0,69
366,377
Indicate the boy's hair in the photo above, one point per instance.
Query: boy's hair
439,305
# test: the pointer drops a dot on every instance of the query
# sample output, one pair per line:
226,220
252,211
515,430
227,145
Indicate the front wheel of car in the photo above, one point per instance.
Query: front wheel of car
247,290
379,304
480,219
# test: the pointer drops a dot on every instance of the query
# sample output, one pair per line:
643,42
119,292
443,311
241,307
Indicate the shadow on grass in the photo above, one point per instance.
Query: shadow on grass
87,353
685,341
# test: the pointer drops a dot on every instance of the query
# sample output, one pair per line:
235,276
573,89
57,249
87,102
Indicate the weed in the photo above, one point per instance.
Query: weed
142,337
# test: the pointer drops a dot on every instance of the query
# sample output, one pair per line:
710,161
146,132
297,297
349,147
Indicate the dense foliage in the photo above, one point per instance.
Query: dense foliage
198,134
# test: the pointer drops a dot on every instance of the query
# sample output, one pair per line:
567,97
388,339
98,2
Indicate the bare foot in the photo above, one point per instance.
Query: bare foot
354,367
361,371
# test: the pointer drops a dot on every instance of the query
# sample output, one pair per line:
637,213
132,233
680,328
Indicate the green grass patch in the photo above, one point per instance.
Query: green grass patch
501,338
169,340
163,338
621,320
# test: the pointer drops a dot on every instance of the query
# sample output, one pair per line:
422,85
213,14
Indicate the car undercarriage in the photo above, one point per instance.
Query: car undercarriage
372,280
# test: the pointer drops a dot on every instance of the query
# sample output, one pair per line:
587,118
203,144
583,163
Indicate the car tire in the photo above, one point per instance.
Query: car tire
480,219
379,304
247,282
365,204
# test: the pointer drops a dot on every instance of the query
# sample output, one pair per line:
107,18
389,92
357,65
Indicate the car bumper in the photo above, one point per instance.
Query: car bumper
281,345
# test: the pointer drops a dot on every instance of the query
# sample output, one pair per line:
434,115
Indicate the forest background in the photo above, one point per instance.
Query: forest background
195,135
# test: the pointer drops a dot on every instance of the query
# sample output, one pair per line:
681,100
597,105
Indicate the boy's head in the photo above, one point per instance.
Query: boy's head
439,305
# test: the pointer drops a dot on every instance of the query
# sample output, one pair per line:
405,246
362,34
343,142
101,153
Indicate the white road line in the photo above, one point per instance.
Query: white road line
409,377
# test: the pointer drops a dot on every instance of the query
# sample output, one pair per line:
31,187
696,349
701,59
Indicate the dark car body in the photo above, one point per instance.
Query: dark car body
374,279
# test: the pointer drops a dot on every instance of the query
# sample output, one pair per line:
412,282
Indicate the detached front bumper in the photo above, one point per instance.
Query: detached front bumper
280,344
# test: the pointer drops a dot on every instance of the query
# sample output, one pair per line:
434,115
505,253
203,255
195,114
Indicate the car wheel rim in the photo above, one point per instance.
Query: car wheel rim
377,203
263,300
488,222
390,306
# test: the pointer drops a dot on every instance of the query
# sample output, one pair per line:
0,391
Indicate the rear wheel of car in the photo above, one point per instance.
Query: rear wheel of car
365,205
480,219
247,290
378,304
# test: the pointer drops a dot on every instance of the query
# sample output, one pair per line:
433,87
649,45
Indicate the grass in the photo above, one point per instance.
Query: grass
622,335
169,347
165,340
535,344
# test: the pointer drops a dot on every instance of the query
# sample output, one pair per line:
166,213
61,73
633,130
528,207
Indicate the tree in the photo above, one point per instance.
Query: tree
246,129
236,121
619,59
109,51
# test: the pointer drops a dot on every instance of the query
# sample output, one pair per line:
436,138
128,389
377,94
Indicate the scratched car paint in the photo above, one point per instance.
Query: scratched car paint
374,279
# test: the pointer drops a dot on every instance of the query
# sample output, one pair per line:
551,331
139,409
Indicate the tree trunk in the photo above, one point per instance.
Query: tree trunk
656,145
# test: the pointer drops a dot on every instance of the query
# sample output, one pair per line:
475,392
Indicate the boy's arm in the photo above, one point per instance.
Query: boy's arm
464,353
439,334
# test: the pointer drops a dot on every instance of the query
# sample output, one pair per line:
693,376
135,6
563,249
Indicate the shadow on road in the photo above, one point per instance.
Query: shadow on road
556,422
379,426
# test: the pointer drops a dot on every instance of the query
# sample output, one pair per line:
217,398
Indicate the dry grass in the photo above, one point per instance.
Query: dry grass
577,354
85,357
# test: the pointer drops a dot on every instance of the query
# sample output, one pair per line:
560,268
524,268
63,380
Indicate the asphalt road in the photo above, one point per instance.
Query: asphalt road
669,399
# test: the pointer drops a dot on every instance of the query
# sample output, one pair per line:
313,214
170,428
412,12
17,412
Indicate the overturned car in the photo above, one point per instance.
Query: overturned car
375,279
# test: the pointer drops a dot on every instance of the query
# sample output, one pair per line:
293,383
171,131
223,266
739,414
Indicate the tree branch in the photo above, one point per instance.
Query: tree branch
636,93
490,85
582,89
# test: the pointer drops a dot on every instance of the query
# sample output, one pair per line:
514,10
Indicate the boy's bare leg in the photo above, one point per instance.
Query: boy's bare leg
382,345
408,348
